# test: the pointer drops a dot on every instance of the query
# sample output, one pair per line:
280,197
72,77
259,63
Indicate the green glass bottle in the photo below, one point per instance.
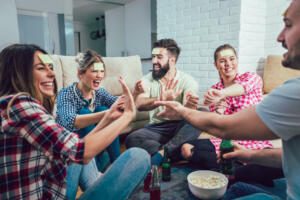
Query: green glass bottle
226,165
166,166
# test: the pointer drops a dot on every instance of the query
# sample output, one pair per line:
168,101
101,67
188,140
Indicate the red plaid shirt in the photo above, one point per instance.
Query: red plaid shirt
34,151
252,84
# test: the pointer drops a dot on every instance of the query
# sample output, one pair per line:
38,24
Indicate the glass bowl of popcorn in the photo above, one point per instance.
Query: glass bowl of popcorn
206,184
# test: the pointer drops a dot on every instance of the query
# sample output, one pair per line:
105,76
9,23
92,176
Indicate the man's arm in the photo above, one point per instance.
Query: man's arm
243,125
265,157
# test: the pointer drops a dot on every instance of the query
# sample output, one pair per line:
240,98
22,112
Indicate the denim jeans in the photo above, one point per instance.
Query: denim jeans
85,175
81,175
121,178
241,190
113,149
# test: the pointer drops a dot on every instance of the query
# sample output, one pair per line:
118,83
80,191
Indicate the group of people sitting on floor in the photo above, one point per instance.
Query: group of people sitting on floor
43,157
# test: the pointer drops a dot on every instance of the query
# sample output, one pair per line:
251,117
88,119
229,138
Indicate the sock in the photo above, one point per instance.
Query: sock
156,159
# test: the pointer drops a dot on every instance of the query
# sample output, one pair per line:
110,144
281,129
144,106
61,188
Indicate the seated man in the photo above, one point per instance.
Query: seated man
164,83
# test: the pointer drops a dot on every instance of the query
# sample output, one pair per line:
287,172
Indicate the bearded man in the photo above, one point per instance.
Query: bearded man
164,83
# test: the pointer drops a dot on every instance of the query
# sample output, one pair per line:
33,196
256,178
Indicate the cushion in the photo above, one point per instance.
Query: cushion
69,68
58,71
130,68
275,74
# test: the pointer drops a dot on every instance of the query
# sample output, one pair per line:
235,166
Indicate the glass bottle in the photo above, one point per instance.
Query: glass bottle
155,185
166,166
226,165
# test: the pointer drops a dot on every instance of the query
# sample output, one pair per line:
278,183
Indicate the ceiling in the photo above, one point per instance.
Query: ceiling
86,11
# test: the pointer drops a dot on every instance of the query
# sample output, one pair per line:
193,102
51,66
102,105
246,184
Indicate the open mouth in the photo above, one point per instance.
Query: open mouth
156,67
229,69
48,85
96,83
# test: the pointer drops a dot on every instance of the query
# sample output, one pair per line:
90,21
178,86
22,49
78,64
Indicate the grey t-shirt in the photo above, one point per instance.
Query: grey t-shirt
280,112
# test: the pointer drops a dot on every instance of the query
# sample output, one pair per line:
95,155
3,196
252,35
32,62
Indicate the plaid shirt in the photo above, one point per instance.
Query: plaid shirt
34,151
252,84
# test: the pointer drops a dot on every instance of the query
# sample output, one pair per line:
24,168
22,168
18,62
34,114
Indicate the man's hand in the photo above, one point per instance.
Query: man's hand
171,111
213,96
220,107
168,93
191,100
240,154
138,89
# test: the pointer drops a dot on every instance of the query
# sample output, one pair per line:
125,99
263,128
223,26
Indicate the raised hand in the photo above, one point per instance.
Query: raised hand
213,96
138,89
191,100
221,107
168,93
171,111
117,109
129,106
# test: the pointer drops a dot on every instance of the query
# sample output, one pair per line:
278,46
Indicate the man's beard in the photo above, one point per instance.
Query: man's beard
292,58
157,75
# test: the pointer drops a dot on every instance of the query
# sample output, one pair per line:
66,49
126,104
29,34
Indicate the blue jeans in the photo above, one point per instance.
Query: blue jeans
85,175
121,178
113,149
241,190
81,175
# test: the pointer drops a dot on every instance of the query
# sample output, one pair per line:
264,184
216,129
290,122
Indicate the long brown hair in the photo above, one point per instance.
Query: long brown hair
16,73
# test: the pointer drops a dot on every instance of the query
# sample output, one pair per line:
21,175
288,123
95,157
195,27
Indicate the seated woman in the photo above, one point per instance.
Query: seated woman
35,150
79,108
231,94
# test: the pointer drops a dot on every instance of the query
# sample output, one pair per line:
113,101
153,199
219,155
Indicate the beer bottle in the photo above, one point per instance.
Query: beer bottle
226,165
155,185
166,166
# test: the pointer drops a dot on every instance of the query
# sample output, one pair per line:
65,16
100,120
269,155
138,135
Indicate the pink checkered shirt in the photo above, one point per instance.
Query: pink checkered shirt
252,84
34,151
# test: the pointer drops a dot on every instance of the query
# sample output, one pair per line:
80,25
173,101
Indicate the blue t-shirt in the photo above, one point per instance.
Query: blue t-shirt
70,101
280,112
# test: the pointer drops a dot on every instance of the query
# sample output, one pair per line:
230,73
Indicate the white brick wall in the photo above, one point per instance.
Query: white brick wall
200,26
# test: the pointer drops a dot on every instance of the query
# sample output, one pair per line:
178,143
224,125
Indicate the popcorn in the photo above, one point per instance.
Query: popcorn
210,182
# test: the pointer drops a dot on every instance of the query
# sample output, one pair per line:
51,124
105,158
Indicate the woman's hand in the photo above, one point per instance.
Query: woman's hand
129,106
213,96
117,109
191,101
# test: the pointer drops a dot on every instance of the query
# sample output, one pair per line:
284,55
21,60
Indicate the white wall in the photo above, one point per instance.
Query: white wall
252,36
115,32
138,28
128,29
48,10
199,26
9,33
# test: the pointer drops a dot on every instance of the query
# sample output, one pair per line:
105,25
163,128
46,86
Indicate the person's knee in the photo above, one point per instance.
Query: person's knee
186,150
130,140
140,156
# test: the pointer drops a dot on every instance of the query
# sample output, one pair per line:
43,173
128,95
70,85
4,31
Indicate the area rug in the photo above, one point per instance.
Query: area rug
176,189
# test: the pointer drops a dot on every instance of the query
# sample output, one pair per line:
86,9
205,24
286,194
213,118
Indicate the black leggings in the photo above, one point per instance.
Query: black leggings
204,157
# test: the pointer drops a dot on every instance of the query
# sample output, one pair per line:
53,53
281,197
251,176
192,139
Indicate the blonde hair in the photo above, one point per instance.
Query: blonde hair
86,59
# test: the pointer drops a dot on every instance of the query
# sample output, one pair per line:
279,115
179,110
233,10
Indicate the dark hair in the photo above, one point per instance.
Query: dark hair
170,45
223,47
86,59
16,73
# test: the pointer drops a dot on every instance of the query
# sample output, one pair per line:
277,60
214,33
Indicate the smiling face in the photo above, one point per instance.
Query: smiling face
290,36
43,76
227,63
91,78
160,61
